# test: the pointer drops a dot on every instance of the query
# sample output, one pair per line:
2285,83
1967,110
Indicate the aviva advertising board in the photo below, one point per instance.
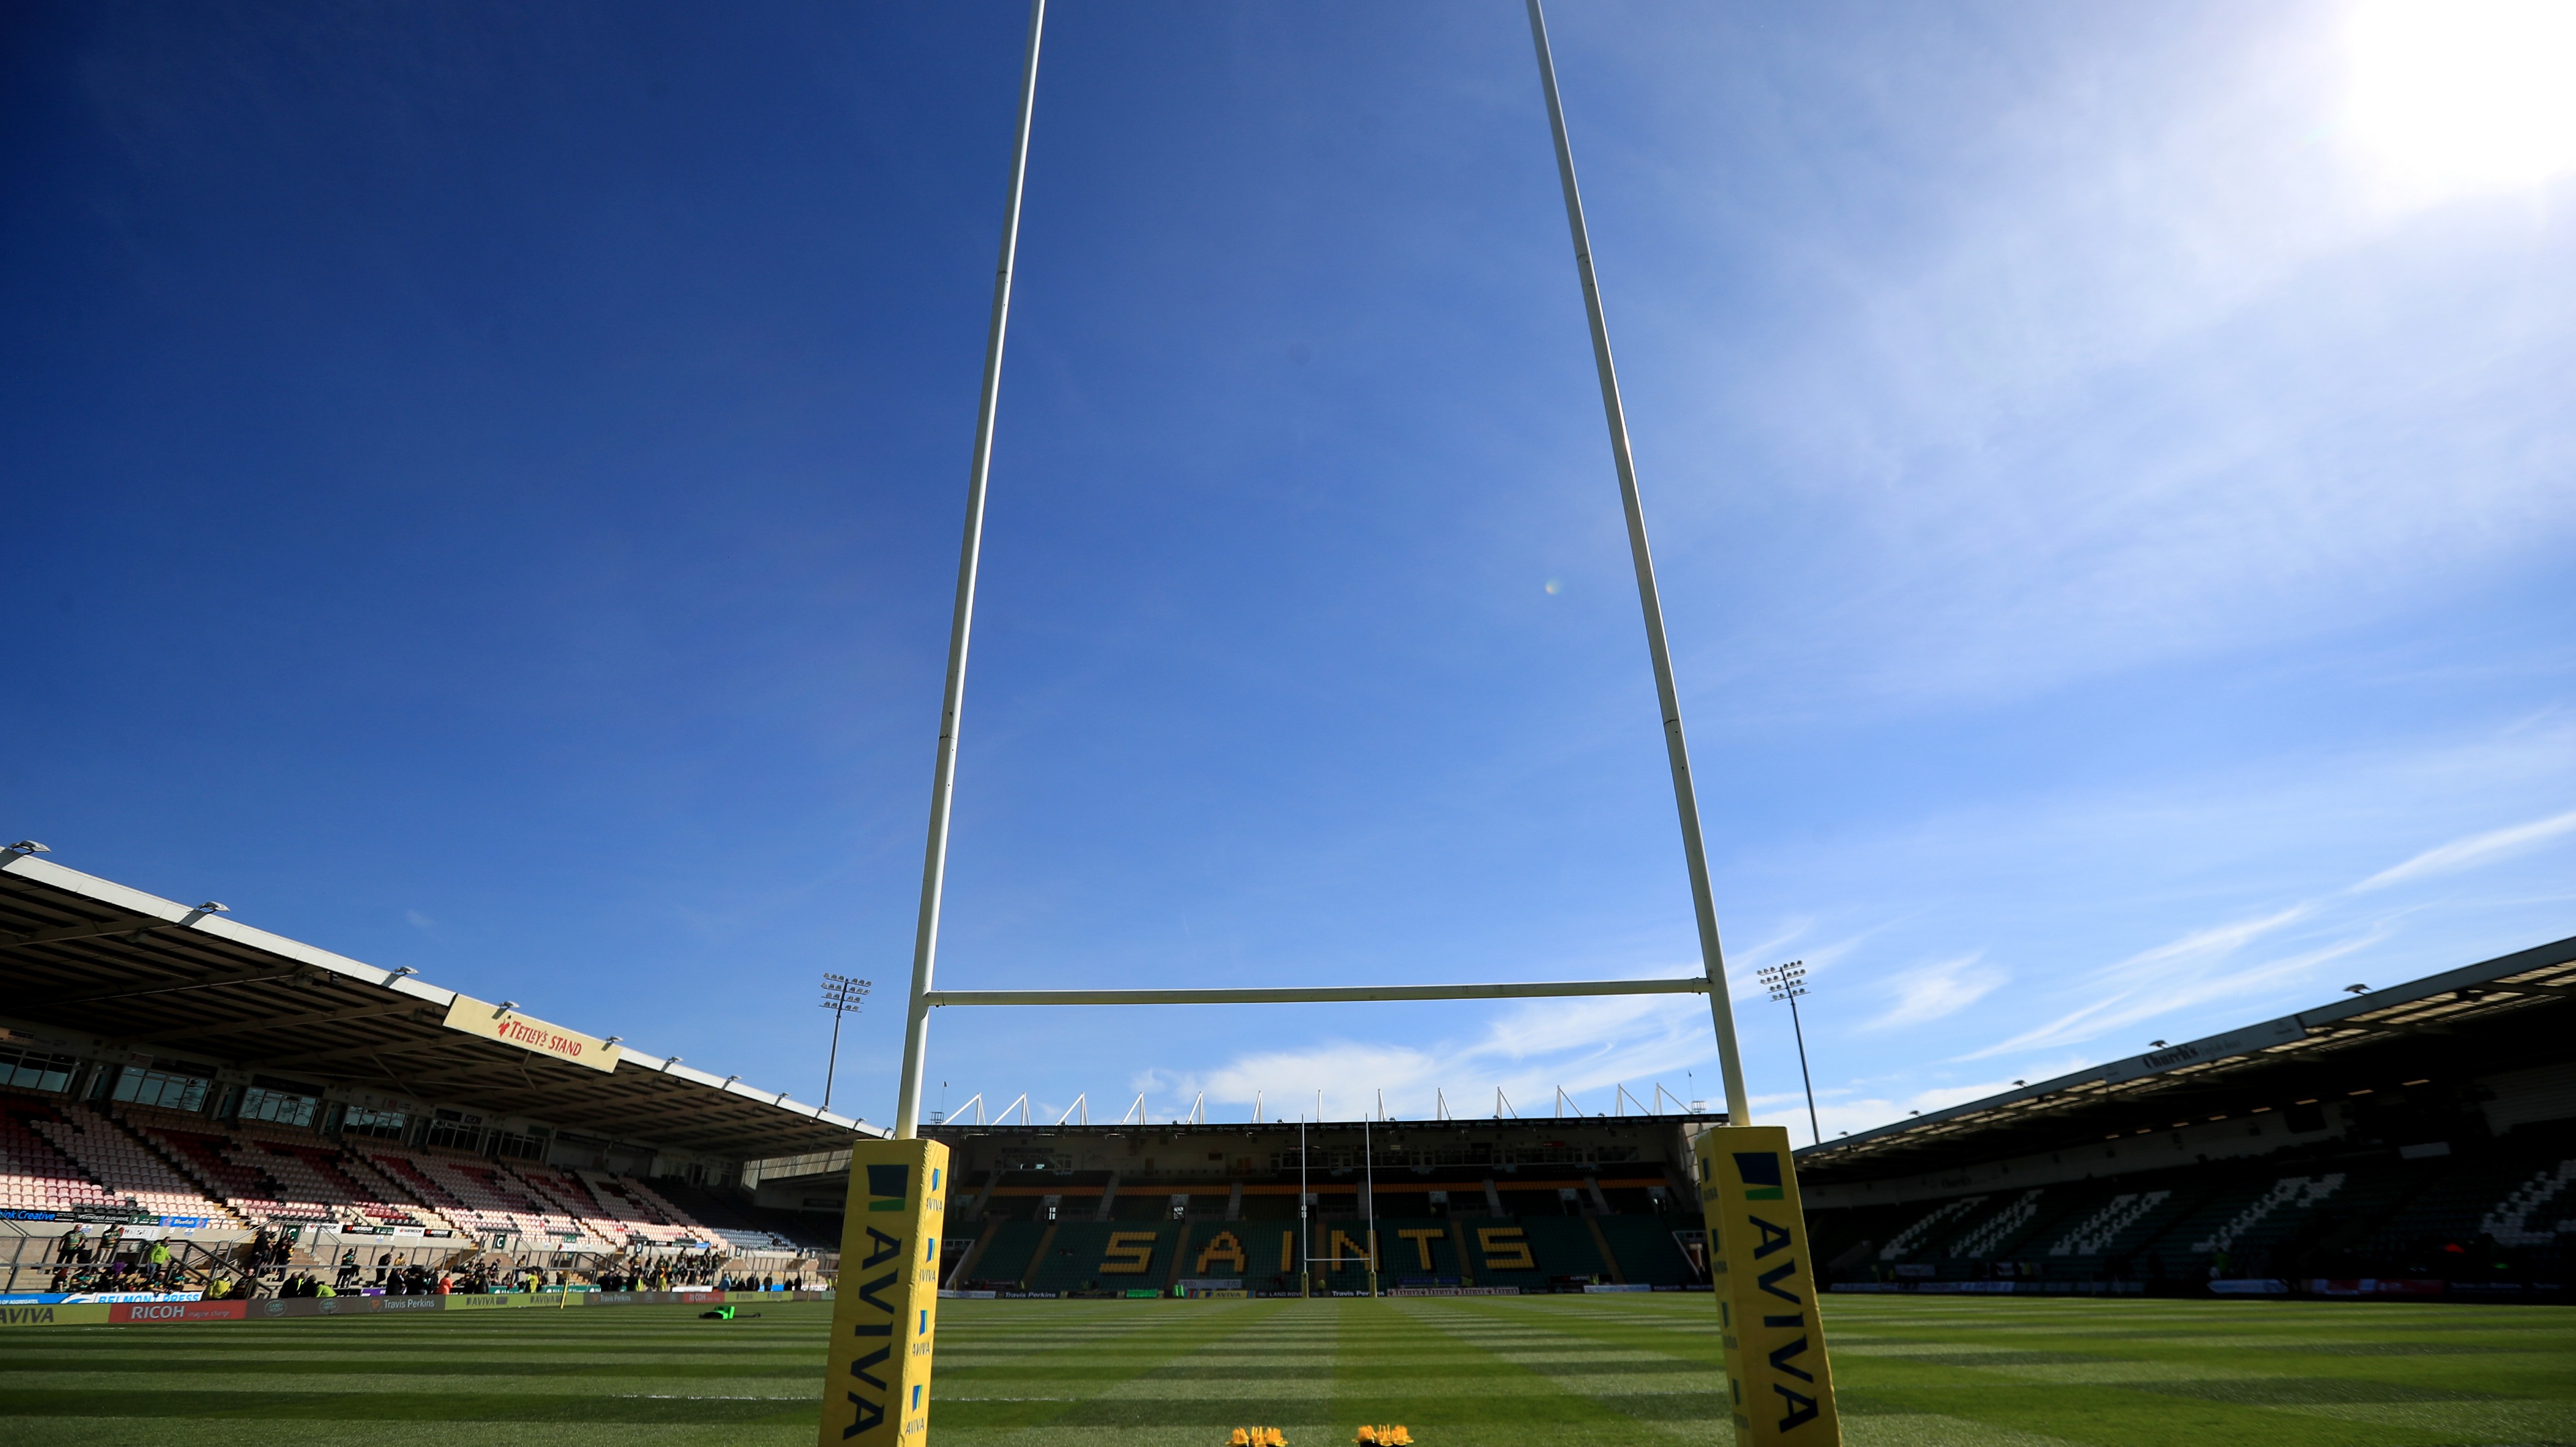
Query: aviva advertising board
1781,1390
885,1315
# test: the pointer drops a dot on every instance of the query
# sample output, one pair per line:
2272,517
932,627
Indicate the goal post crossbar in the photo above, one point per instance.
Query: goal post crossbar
1321,995
925,997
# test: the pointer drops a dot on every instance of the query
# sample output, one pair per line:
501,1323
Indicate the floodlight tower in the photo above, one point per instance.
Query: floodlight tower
1788,982
841,995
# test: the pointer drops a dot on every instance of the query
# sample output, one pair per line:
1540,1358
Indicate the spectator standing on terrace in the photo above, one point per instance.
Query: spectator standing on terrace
70,1245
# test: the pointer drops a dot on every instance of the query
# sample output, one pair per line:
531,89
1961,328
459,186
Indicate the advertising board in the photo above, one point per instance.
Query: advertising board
876,1388
141,1313
537,1037
1773,1339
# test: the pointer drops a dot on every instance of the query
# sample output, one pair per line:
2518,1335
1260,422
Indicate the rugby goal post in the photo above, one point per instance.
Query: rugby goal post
884,1321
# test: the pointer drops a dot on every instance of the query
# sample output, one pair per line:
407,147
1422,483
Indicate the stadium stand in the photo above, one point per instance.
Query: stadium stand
2422,1136
130,1171
1601,1201
2418,1138
733,1216
2414,1140
39,1176
135,1037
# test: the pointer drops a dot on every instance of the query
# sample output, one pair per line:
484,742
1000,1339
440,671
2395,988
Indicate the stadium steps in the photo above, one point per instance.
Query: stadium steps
406,1175
1646,1250
1206,1236
1077,1259
130,1169
2239,1217
1181,1247
2116,1223
251,1192
315,1175
1564,1246
1038,1254
1504,1230
567,1192
1609,1258
1992,1234
630,1208
376,1183
2061,1210
964,1270
2505,1196
34,1176
739,1222
1002,1250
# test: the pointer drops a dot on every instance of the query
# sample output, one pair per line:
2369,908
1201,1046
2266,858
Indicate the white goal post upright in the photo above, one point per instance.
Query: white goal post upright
943,777
924,997
1780,1386
1667,695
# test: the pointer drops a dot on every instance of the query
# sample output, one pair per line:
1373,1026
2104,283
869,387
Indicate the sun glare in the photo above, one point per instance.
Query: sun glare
2456,95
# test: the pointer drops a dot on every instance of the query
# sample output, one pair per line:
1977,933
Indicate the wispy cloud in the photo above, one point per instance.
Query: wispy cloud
1930,992
1528,1052
1837,1116
2202,965
2167,991
2471,852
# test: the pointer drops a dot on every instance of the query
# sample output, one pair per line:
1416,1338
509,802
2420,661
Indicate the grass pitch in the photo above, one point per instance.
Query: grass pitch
1491,1372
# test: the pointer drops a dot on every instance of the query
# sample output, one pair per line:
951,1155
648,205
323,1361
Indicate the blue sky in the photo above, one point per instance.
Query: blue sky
480,487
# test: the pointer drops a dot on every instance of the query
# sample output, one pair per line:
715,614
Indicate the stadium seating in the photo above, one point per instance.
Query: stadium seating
1001,1254
208,1160
128,1169
625,1204
34,1176
715,1217
1644,1247
59,1155
1079,1259
498,1200
2495,1209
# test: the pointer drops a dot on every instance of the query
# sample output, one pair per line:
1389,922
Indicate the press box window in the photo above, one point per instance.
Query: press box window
261,1103
35,1069
383,1124
162,1088
455,1131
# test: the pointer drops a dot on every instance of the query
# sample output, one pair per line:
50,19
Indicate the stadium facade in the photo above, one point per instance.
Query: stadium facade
171,1072
2413,1140
1510,1205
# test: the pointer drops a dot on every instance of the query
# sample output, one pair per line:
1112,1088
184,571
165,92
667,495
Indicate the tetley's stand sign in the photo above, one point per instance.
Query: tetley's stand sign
499,1022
